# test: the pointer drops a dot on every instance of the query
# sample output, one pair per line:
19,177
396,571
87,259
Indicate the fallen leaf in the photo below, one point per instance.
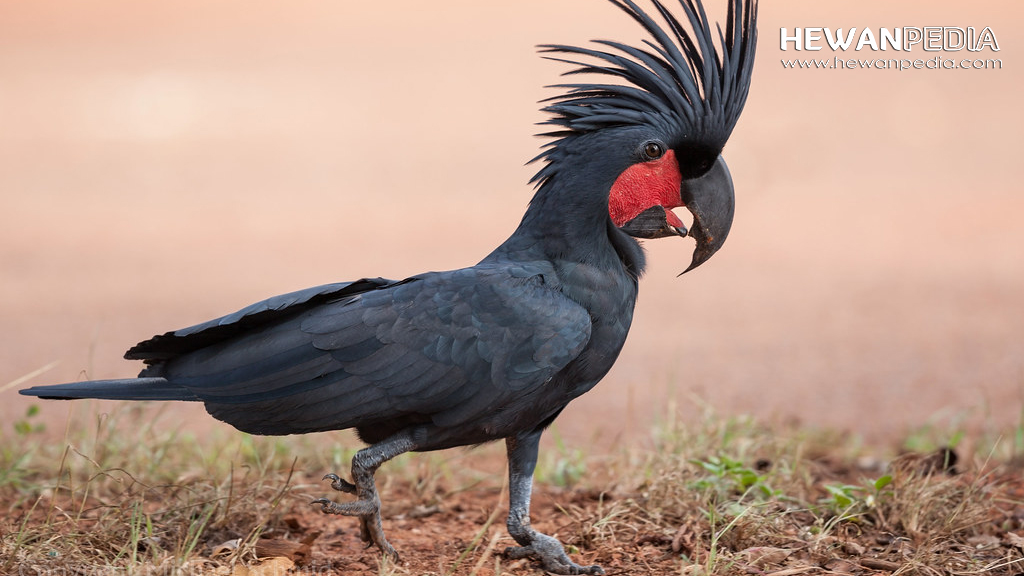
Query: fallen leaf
878,564
297,552
692,570
270,567
792,571
225,548
761,556
984,541
840,566
684,540
852,548
422,511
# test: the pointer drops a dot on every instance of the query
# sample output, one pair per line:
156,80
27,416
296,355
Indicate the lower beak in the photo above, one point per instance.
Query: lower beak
654,223
712,201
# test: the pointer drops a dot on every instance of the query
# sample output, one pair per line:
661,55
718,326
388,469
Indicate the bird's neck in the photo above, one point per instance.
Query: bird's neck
567,223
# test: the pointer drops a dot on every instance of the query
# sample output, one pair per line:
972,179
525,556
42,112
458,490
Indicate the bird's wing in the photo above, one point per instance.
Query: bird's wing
173,344
442,348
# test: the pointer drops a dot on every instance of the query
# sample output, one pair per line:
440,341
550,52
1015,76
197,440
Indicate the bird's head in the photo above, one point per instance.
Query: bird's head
657,131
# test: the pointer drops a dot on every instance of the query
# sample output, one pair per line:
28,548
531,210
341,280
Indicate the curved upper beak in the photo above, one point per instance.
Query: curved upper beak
712,201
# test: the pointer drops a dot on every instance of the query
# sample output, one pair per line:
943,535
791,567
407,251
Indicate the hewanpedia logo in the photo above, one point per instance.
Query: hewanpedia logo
899,43
907,38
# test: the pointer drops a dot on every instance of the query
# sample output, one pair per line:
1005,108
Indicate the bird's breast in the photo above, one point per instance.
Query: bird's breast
609,298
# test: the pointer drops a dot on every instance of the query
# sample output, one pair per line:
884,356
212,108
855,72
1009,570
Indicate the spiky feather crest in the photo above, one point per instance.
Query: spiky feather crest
680,79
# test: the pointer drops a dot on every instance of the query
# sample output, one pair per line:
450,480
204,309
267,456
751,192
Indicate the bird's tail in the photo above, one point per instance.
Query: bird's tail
122,389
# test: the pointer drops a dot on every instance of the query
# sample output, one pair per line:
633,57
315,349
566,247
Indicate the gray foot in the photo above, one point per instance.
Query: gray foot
551,555
366,507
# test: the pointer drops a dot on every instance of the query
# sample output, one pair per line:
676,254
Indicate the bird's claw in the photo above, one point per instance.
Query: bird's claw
324,504
551,555
340,484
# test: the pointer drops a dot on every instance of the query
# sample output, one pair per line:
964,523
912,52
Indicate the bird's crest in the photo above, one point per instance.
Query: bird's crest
680,76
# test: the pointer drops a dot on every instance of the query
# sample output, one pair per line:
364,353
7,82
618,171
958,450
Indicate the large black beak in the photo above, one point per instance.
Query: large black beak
712,201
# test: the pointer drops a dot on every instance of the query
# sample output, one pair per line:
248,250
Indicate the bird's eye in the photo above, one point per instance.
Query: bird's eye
653,150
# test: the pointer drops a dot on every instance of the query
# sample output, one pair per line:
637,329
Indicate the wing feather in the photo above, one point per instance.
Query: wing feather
448,348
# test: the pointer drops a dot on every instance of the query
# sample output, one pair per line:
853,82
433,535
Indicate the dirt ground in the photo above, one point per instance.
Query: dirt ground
161,164
437,530
434,540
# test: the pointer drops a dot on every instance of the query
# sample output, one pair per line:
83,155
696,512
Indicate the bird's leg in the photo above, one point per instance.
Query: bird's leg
367,503
522,459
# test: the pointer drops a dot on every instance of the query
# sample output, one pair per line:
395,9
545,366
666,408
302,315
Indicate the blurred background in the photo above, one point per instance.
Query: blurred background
162,163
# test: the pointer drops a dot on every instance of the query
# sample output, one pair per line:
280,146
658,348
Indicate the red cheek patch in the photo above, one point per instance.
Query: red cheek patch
654,183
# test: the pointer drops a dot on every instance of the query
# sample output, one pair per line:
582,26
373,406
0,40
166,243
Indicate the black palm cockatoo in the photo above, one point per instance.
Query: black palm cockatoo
497,350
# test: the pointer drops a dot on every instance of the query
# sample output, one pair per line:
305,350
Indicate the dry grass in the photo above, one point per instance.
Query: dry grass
130,494
731,496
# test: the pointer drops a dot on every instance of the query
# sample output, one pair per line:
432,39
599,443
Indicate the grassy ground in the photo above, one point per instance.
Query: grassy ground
130,493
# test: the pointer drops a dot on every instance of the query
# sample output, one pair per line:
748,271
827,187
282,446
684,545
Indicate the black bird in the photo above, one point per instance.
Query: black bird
497,350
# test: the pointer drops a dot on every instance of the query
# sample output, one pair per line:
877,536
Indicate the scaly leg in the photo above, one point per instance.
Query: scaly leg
367,503
522,459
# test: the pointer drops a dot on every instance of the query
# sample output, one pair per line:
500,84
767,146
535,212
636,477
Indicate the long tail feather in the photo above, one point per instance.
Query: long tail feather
122,389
